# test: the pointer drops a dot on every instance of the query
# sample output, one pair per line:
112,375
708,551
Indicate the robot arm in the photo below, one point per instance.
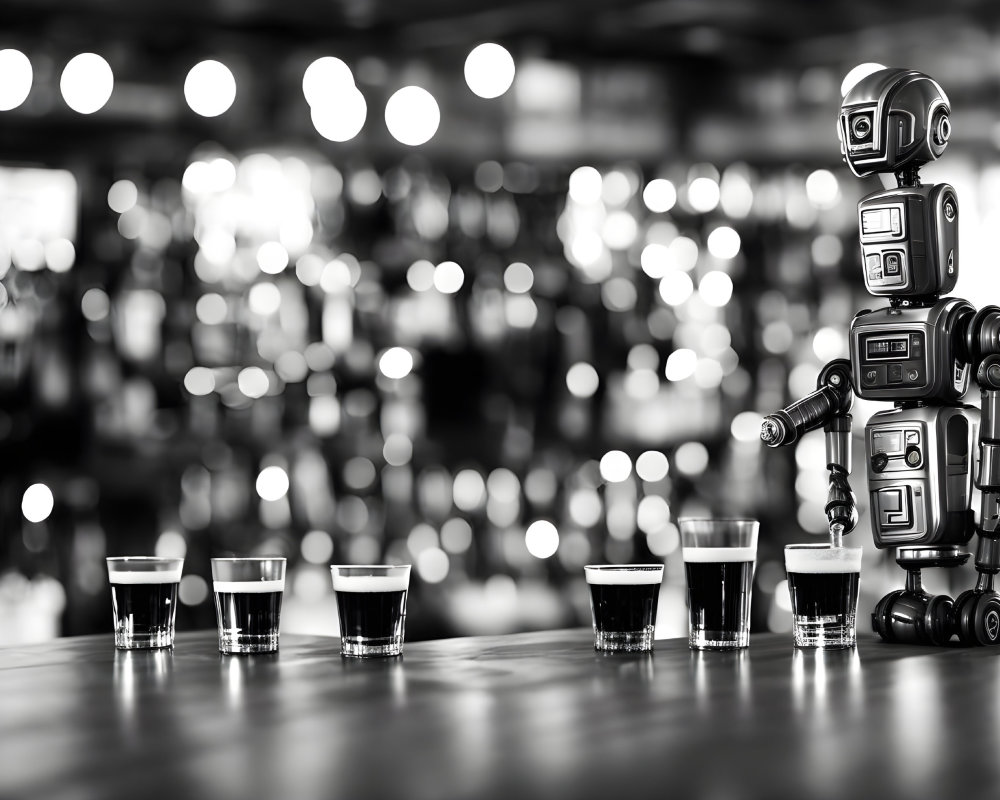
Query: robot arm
988,478
977,611
829,407
983,348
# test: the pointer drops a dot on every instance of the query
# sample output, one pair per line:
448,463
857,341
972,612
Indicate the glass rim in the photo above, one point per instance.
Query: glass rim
370,566
231,559
623,566
718,519
143,559
821,546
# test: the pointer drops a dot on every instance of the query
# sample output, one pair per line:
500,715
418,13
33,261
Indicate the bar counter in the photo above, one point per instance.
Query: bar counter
537,715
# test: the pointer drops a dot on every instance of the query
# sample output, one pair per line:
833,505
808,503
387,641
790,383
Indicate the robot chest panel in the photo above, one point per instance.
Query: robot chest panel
909,355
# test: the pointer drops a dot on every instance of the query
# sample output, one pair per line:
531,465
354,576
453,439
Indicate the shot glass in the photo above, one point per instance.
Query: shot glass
823,583
719,556
248,594
371,608
144,600
623,601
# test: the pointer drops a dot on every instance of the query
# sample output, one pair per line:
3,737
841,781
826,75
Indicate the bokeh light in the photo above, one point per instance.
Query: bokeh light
582,380
691,458
210,88
652,466
396,363
324,78
616,466
122,196
16,76
37,502
585,185
86,83
703,194
272,483
341,116
542,538
675,288
489,70
412,115
716,288
518,278
660,195
681,364
448,277
823,189
723,242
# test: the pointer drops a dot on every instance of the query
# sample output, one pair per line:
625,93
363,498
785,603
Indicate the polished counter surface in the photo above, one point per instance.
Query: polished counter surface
536,715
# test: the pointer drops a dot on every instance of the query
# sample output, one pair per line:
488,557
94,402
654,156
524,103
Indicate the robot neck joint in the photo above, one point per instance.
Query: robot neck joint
908,176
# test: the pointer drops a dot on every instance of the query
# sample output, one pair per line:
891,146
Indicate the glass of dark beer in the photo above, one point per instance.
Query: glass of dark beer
144,600
248,594
719,557
823,583
623,601
371,608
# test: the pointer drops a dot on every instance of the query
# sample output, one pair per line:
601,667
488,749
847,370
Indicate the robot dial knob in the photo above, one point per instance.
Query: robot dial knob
879,462
993,374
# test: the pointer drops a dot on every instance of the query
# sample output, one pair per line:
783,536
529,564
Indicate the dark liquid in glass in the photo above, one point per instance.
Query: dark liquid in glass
623,606
824,596
144,612
372,615
249,613
718,594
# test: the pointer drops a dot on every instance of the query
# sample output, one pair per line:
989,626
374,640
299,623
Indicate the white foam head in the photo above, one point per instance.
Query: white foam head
631,575
823,559
249,587
371,583
718,555
168,576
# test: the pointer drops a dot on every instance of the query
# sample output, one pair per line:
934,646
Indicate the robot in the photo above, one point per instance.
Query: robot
932,456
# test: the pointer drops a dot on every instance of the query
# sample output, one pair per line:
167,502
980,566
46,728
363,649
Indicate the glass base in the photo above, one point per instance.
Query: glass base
365,647
624,641
718,640
826,635
144,641
236,644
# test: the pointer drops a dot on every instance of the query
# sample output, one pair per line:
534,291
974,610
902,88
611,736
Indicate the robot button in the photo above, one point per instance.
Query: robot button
895,373
873,376
893,263
913,375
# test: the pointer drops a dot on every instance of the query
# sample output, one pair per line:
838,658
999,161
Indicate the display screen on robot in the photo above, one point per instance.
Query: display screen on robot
887,441
895,348
878,221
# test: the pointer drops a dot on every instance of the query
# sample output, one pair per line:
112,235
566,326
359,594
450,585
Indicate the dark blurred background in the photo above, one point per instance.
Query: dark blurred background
518,317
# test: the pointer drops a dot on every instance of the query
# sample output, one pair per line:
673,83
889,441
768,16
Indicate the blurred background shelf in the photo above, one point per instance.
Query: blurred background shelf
529,342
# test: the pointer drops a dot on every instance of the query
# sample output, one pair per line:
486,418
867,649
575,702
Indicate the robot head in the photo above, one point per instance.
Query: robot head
892,119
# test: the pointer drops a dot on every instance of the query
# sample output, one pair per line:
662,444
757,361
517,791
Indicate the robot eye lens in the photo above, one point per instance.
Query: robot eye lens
941,129
861,127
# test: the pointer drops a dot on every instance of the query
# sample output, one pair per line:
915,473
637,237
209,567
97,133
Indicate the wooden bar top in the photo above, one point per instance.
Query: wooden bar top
534,715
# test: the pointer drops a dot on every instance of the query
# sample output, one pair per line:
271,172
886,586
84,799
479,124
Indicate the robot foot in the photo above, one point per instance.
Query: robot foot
914,617
977,618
